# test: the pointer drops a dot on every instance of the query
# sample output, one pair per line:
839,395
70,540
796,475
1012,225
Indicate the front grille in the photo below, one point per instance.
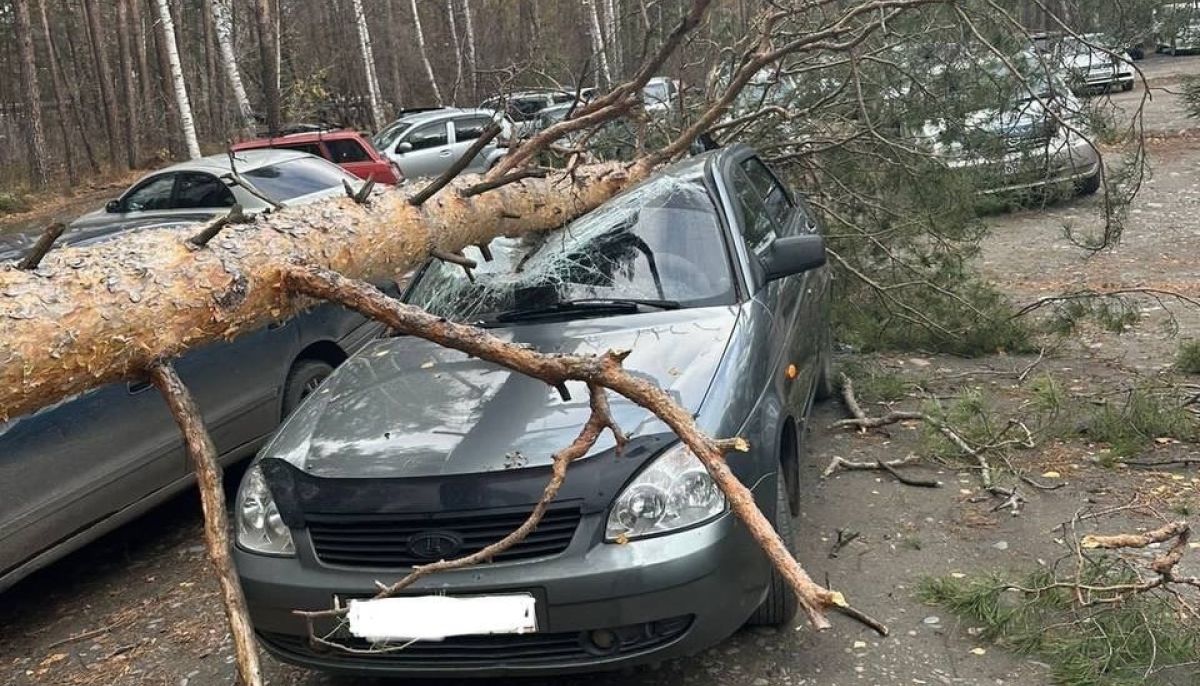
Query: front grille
383,540
496,650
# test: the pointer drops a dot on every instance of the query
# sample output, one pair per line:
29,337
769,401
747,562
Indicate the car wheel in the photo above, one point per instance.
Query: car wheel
779,607
304,377
1089,185
1127,86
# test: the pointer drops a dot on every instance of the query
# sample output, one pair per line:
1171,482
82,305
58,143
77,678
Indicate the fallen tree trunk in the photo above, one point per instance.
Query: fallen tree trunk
92,315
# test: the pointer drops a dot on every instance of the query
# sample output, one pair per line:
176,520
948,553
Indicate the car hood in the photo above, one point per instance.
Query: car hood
405,407
101,222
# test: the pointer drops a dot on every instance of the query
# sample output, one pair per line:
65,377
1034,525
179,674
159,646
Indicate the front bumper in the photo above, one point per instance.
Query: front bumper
666,597
1067,159
1104,80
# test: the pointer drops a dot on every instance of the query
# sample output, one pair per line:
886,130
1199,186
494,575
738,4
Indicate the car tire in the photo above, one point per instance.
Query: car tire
779,607
1127,86
303,378
825,388
1089,185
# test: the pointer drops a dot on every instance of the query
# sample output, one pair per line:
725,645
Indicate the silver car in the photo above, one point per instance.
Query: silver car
200,189
428,142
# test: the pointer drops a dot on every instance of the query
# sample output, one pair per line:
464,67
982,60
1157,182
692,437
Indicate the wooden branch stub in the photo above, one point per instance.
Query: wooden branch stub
43,245
485,251
214,227
563,392
1159,535
202,453
457,258
512,177
363,194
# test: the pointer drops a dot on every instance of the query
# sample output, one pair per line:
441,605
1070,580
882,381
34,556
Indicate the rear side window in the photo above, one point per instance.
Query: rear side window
346,150
429,136
296,178
310,148
154,194
471,128
194,190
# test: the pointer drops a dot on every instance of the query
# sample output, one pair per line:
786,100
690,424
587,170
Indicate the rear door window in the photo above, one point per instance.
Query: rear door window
429,136
310,148
194,190
470,128
152,194
346,151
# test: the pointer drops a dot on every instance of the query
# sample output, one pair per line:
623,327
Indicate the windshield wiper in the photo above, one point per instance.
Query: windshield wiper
586,305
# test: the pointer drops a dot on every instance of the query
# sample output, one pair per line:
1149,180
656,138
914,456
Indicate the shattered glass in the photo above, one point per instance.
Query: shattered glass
660,241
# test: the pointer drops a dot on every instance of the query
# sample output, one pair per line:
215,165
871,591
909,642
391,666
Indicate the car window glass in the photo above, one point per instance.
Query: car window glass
296,178
773,195
758,228
471,128
154,194
385,138
201,190
310,148
661,241
346,151
428,136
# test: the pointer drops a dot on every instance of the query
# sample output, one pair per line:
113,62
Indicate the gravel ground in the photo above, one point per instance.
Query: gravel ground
138,607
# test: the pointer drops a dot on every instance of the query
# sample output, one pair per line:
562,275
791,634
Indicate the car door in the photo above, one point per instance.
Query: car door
425,151
147,201
769,211
466,131
350,155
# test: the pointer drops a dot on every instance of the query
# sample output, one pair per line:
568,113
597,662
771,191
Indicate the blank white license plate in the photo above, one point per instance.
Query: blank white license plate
432,618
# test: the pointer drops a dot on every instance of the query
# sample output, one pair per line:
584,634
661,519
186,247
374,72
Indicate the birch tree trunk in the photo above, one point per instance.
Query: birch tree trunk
605,76
33,93
612,38
437,93
58,90
368,58
456,48
270,67
128,83
186,122
472,67
223,28
107,95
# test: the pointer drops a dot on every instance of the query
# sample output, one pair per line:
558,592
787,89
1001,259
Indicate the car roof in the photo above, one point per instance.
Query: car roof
440,113
245,160
304,137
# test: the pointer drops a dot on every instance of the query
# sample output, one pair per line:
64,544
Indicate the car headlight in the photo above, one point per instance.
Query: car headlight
260,529
673,492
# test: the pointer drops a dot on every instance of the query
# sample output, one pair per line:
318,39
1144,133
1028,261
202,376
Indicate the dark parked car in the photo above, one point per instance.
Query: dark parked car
78,469
711,272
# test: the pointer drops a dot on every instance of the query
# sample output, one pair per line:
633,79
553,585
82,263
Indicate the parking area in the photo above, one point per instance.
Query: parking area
140,606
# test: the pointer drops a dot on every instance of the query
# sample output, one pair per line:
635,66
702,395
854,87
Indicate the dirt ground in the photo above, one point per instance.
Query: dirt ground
139,607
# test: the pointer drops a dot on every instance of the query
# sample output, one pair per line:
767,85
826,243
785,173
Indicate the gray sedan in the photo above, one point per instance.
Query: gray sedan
75,470
712,273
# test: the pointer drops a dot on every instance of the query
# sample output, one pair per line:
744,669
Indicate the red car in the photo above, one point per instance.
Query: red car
349,149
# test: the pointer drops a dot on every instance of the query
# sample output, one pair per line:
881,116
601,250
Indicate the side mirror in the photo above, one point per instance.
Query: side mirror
793,255
404,147
112,206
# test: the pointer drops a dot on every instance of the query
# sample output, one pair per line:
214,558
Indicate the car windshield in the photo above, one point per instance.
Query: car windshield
296,178
384,139
659,242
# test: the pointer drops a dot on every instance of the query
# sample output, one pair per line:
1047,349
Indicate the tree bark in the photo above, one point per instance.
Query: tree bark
166,93
69,327
107,90
75,87
270,65
368,58
203,456
456,49
437,93
392,41
186,123
128,83
472,66
33,93
223,28
58,90
595,33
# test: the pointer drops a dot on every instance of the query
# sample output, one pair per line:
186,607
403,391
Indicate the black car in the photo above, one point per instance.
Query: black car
712,273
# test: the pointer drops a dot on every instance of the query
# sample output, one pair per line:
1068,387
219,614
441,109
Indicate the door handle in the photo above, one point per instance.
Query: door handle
445,153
